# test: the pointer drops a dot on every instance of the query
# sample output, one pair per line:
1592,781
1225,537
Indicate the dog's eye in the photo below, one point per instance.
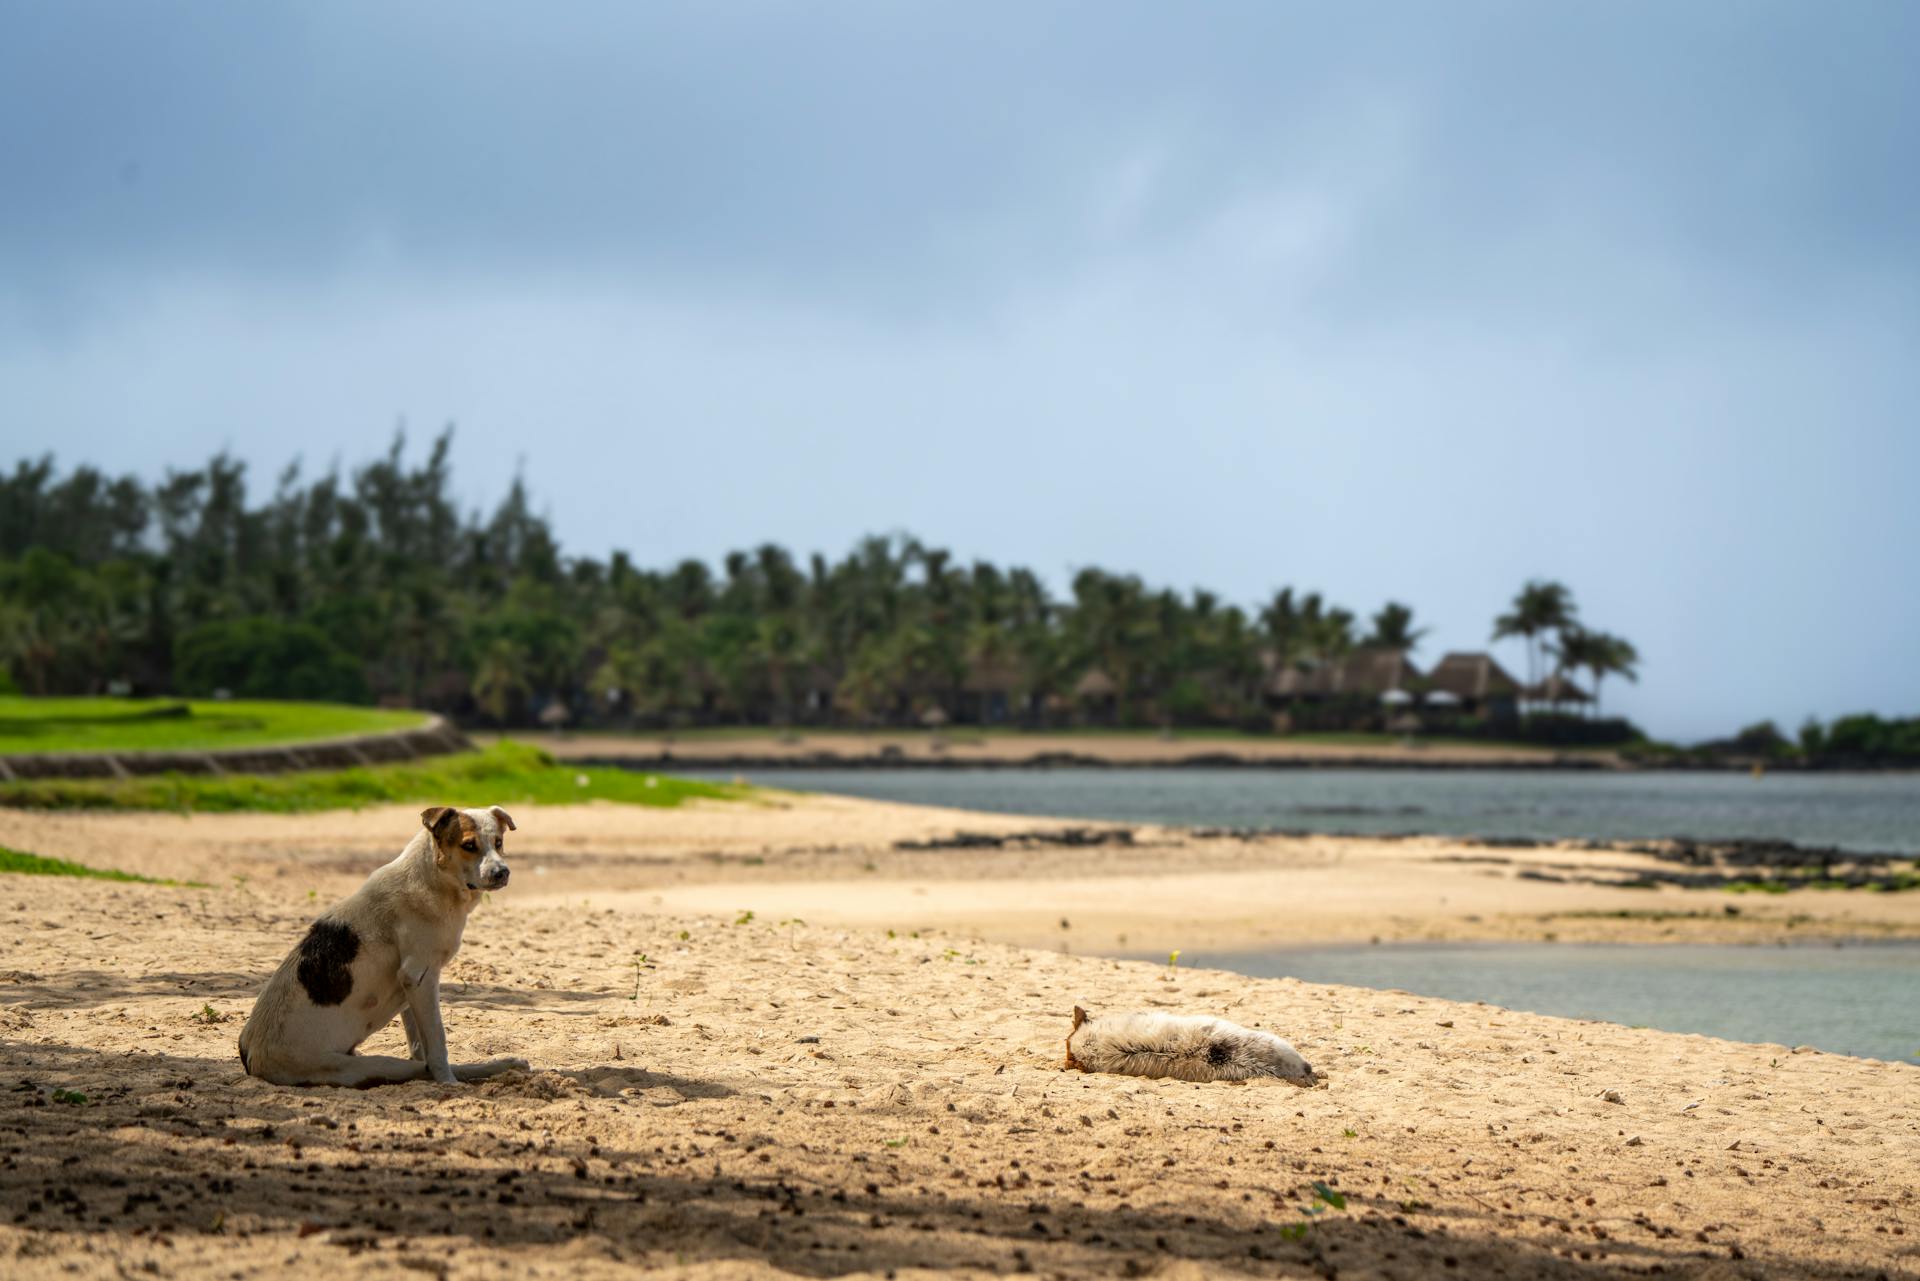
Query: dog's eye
468,845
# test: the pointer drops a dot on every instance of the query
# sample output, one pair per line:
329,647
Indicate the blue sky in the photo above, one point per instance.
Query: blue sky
1407,302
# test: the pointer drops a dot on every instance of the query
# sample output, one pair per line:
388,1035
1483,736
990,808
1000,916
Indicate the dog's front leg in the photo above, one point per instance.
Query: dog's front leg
416,1048
423,1002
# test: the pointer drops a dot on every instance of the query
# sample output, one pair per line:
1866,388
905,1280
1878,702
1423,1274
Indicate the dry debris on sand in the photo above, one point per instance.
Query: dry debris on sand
735,1095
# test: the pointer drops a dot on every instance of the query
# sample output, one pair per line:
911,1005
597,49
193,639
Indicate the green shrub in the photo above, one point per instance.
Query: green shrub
1868,737
1763,739
266,658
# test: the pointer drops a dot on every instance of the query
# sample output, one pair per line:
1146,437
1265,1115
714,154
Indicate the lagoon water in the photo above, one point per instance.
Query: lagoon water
1852,1000
1853,811
1859,999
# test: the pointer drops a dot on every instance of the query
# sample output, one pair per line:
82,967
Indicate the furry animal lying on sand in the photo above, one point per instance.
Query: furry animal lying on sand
1185,1046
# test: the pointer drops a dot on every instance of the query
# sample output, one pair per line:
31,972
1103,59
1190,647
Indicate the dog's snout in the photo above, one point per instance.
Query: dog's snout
492,871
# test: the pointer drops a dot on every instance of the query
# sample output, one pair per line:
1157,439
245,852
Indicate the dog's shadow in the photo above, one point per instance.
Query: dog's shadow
662,1088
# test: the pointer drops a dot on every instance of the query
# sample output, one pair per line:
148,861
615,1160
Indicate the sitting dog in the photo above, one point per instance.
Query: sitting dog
378,954
1187,1047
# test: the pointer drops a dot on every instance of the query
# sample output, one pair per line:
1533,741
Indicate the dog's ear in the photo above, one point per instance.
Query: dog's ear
505,819
1079,1017
439,820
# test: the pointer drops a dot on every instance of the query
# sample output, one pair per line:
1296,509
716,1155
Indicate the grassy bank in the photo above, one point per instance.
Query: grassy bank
501,775
180,725
17,863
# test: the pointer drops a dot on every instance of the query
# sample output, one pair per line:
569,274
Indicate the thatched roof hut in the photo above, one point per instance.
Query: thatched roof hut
1095,684
1369,672
1472,678
993,678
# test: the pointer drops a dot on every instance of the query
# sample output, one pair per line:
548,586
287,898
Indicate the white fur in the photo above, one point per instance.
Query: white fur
406,923
1185,1046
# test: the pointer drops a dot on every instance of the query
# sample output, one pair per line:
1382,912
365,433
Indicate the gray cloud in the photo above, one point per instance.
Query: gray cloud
1413,301
900,152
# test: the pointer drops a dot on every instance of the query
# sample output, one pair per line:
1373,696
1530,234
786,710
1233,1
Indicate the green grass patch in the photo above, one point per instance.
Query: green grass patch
31,725
1756,887
21,864
1890,883
501,775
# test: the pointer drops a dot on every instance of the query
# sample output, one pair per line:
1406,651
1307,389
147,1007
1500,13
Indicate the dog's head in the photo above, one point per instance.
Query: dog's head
467,844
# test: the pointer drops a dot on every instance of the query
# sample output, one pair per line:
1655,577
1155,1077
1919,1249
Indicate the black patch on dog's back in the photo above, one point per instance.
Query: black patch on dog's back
1218,1053
325,953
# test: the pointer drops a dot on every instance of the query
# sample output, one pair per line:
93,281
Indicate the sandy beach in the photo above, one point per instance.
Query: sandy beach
838,861
767,1040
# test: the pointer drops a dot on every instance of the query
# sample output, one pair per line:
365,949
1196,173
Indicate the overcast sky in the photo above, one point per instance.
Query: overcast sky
1392,301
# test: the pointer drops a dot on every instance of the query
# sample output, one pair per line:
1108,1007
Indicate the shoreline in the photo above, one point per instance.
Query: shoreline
1044,750
854,749
667,762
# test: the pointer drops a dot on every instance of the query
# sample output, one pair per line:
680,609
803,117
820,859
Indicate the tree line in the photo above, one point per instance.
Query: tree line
373,585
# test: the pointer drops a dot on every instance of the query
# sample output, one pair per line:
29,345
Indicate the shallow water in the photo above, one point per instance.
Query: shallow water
1853,811
1862,999
1859,999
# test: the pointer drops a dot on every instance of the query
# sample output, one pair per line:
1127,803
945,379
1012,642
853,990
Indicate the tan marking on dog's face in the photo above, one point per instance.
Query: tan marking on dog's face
483,837
451,830
470,844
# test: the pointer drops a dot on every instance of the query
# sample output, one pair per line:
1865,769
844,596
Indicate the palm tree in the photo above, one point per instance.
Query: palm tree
621,676
1280,626
500,679
1393,629
1328,629
1598,654
668,680
1611,656
1574,649
1540,608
